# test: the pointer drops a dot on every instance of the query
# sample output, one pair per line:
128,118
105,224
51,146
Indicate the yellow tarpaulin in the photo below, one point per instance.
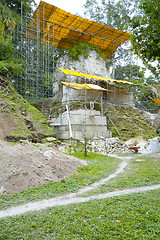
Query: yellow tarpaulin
157,101
62,29
95,87
88,76
83,86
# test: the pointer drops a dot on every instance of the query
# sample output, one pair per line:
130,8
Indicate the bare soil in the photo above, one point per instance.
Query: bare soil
24,165
7,124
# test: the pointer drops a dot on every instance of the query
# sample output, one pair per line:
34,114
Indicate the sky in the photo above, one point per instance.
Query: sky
71,6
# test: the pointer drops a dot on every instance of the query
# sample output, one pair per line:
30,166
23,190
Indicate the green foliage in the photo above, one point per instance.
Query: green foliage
131,73
8,19
6,48
10,67
84,49
115,14
8,64
81,49
15,5
145,39
143,99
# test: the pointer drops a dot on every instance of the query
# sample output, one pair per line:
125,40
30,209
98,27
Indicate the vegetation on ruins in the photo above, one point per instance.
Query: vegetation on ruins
84,49
117,14
26,122
134,216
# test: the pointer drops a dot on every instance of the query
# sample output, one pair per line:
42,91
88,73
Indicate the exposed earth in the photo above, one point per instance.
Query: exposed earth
78,197
24,165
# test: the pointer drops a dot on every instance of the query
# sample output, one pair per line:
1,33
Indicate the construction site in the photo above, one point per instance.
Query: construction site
67,75
79,127
76,94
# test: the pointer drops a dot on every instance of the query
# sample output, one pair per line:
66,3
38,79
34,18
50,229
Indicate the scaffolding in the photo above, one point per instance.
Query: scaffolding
36,78
37,38
41,39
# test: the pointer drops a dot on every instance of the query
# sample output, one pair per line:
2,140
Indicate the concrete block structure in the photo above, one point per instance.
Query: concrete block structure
81,123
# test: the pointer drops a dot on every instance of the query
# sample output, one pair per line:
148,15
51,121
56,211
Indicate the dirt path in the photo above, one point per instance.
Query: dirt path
103,181
69,199
73,197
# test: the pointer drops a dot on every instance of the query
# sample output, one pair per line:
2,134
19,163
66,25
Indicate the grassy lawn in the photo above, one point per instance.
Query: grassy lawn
135,216
127,217
99,167
140,171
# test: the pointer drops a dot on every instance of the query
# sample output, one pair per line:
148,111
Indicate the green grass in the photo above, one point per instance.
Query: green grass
134,216
127,217
15,105
99,167
140,171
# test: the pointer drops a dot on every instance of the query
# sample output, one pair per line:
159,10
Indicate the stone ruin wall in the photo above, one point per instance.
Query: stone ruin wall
93,65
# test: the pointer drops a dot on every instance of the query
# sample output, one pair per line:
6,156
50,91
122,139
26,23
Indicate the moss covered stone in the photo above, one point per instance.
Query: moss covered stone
128,121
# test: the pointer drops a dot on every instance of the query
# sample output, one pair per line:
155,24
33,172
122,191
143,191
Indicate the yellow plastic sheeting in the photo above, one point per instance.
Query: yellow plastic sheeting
96,87
83,86
157,101
75,85
88,76
53,25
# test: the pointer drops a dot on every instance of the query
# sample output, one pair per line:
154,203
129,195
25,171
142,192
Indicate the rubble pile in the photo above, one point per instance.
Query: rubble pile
138,141
108,145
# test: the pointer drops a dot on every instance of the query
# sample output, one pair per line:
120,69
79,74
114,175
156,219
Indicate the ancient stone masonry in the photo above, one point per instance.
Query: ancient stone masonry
93,65
91,100
80,123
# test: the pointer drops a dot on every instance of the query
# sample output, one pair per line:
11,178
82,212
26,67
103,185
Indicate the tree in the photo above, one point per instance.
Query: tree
15,5
8,19
146,34
132,73
8,63
115,14
5,45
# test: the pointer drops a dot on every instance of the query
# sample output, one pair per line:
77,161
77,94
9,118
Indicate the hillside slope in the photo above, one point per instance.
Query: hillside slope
25,165
128,121
18,119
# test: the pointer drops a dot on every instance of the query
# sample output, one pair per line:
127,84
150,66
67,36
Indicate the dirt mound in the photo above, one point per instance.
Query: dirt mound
24,166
